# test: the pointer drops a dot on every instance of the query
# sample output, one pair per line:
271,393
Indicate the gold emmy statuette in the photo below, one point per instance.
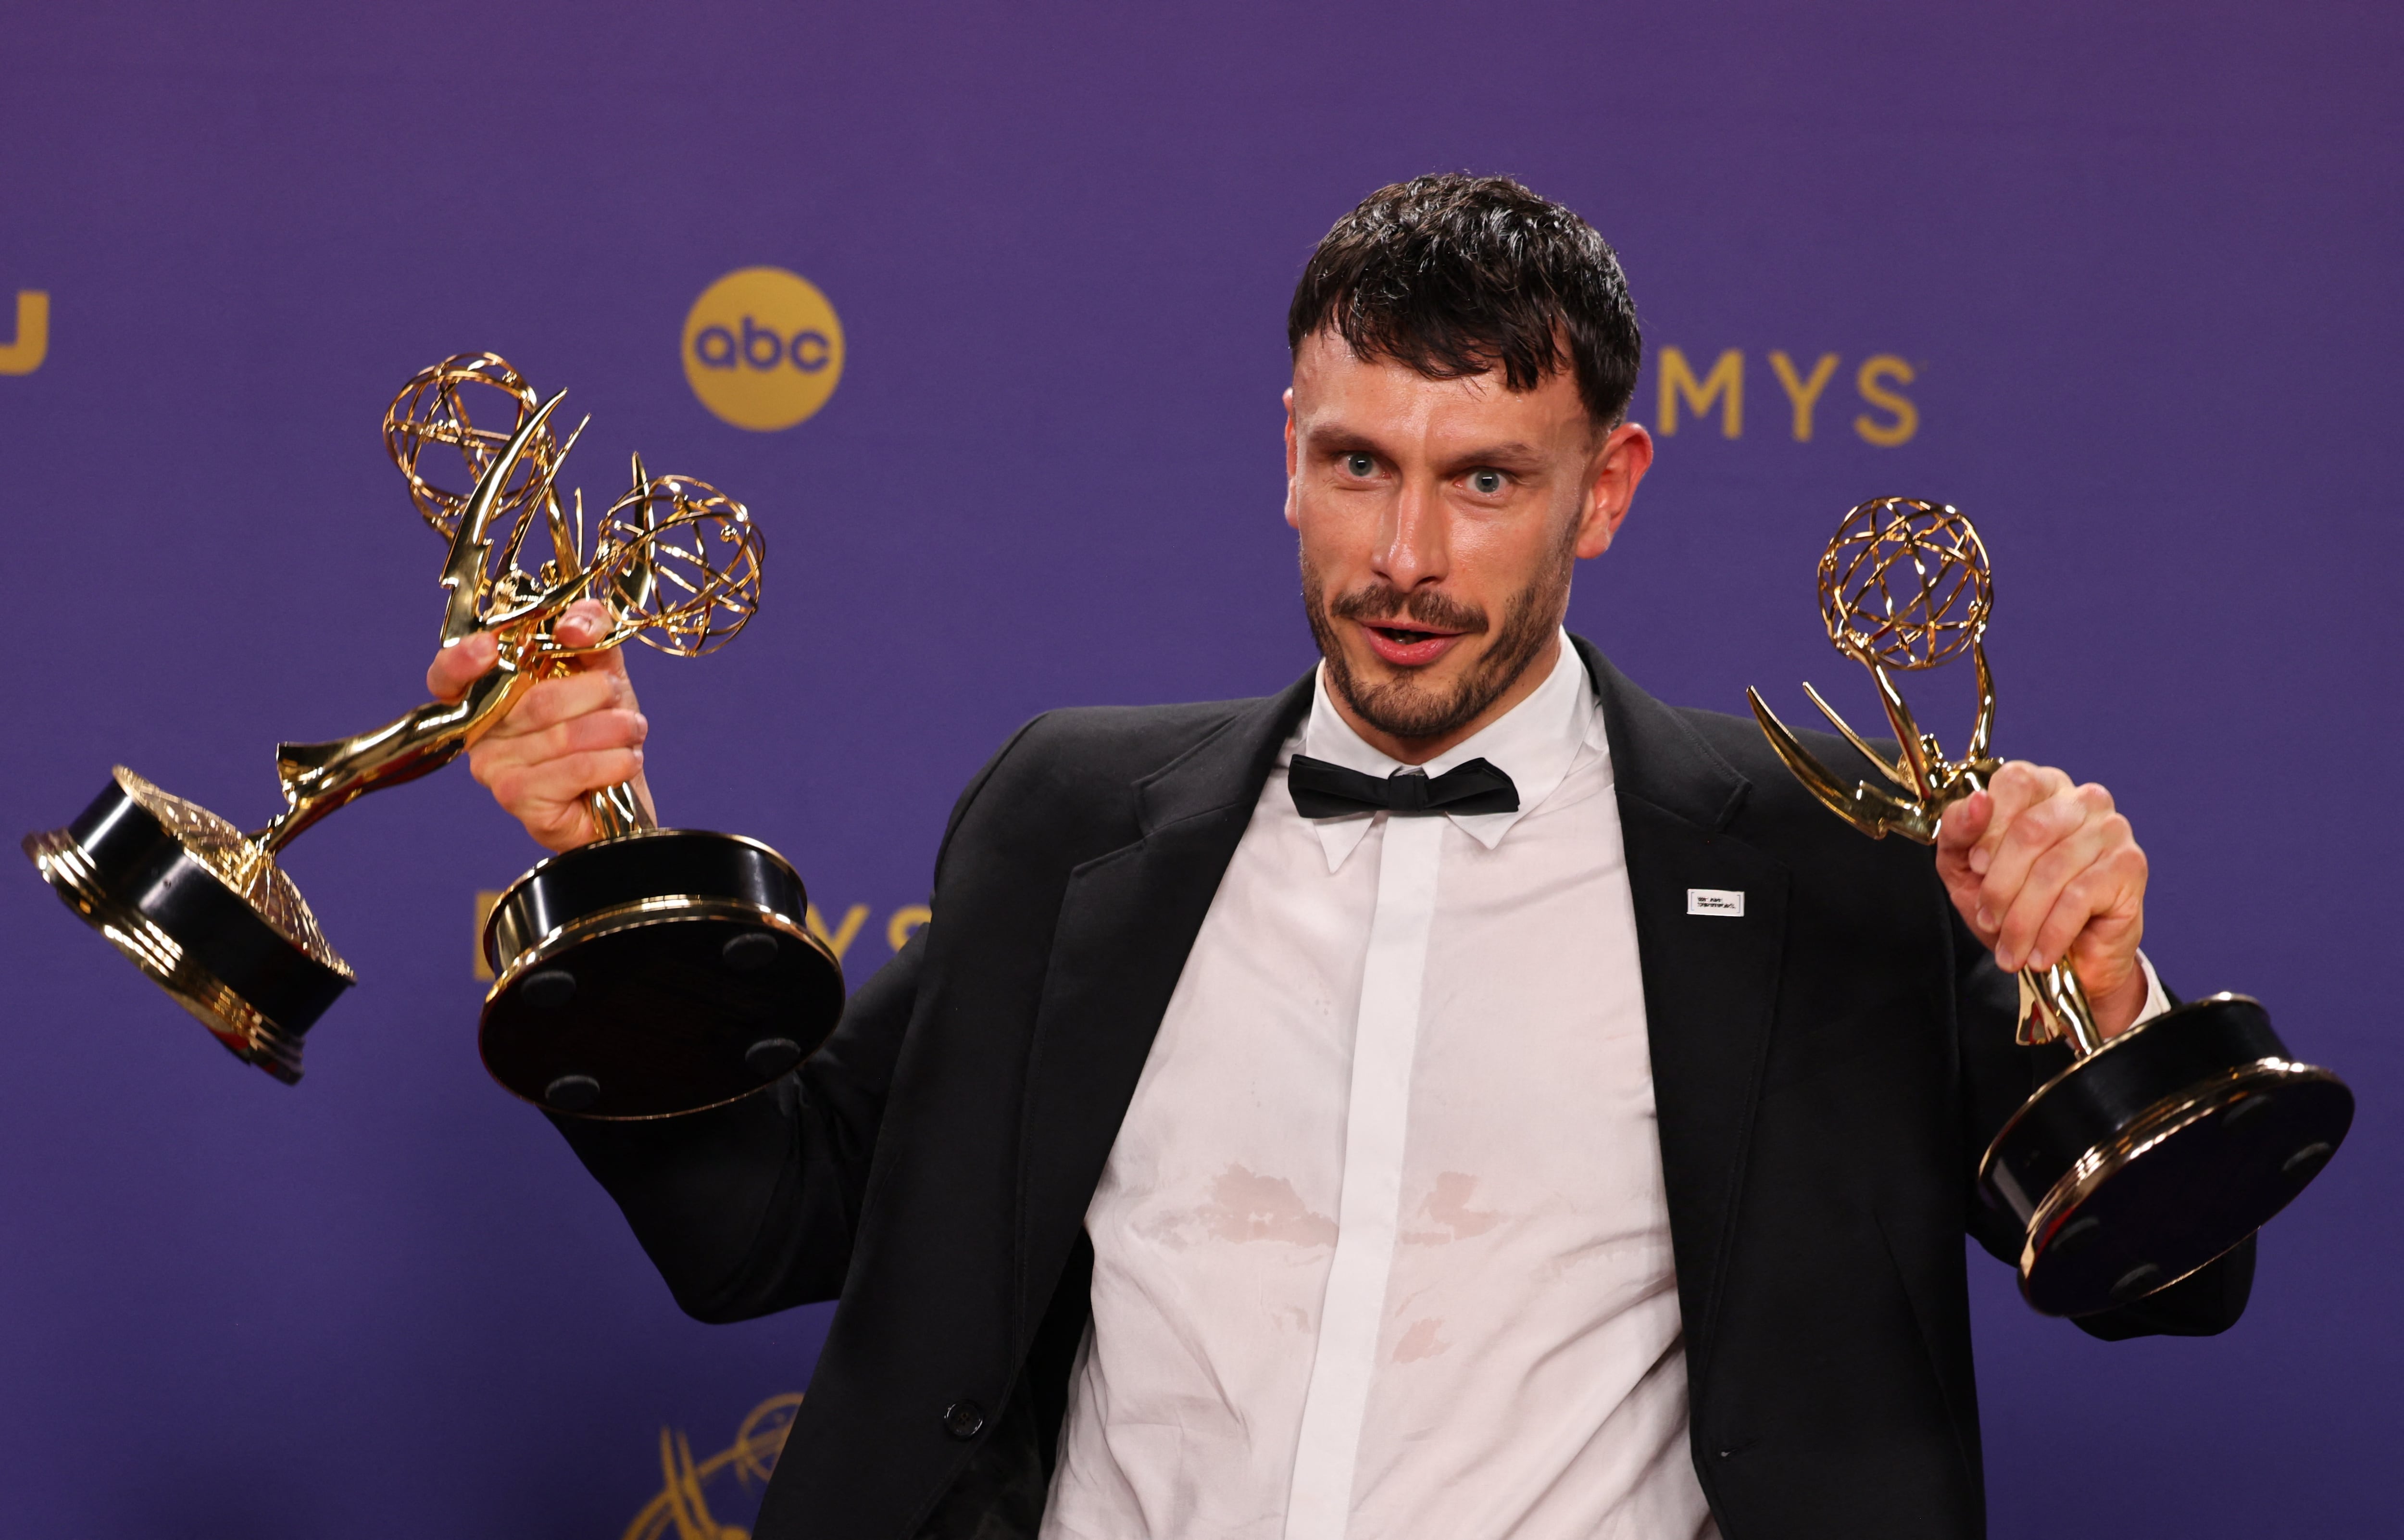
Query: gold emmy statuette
2154,1152
653,971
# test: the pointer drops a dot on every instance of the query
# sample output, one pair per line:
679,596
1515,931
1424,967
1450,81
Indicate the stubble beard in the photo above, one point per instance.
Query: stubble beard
1407,706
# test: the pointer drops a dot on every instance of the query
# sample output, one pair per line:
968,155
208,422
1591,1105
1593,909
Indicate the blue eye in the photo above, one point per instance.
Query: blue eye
1359,463
1486,483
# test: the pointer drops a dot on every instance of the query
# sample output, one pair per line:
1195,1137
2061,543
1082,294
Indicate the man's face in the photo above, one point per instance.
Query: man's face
1439,521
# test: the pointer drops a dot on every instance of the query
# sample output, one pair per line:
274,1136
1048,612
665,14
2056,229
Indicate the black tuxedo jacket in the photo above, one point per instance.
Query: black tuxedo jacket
1828,1068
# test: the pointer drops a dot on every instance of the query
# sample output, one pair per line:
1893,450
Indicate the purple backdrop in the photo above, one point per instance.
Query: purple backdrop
2139,261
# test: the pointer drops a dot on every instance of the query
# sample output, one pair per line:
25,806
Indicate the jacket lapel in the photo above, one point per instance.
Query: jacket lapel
1127,923
1711,979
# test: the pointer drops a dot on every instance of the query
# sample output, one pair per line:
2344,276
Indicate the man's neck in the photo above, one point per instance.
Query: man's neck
1420,751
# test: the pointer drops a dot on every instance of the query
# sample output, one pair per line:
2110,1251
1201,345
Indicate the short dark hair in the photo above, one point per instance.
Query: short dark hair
1457,274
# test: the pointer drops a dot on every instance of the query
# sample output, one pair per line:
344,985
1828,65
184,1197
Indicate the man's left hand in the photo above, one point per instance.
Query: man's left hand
2042,869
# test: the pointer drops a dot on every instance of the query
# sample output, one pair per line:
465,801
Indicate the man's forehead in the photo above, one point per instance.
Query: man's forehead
1336,386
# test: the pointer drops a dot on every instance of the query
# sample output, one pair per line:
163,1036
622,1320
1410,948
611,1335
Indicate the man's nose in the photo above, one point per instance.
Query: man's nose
1413,544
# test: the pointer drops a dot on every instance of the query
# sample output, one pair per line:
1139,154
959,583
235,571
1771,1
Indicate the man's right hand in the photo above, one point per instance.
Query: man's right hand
564,737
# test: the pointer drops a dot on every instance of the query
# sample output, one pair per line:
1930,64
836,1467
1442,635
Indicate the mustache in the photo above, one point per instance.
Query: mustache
1381,601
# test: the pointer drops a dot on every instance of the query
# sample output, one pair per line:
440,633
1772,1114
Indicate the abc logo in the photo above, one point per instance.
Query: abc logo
762,348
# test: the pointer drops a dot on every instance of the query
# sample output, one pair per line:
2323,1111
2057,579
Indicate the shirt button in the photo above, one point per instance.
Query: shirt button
964,1419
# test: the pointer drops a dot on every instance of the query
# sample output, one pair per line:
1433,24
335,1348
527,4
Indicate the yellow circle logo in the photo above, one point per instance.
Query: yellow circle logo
762,348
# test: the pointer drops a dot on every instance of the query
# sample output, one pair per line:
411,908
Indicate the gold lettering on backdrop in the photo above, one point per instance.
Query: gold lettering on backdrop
1874,372
1805,394
1683,394
737,1472
25,353
906,919
839,940
1725,384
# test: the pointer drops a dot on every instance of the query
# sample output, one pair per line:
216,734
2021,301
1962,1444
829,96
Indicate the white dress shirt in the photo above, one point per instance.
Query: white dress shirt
1382,1248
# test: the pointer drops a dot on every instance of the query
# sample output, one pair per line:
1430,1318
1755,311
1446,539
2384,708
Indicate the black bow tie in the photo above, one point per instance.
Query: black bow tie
1324,791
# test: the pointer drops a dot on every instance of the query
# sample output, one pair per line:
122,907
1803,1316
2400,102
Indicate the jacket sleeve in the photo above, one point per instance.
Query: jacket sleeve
750,1208
1998,1076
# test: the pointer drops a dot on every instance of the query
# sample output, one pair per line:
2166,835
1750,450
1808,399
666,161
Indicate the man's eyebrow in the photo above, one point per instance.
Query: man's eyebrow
1337,439
1513,455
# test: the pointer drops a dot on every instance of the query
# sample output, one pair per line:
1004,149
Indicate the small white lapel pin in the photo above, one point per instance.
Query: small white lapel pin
1728,901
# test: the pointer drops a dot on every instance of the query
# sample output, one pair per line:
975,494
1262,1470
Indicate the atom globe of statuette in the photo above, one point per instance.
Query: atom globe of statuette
454,410
679,568
1905,583
2154,1152
649,972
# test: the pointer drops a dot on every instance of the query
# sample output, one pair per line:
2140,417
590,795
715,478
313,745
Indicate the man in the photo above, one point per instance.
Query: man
1334,1114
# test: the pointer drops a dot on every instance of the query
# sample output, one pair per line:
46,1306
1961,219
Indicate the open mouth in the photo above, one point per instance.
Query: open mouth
1406,645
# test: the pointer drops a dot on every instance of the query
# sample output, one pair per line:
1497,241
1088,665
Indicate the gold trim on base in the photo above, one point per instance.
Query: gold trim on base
2119,1042
665,909
232,1020
2171,1116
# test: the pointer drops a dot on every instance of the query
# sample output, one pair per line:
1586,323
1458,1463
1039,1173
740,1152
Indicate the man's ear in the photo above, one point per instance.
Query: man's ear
1626,453
1292,512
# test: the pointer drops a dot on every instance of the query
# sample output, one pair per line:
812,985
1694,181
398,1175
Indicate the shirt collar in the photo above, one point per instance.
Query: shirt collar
1534,743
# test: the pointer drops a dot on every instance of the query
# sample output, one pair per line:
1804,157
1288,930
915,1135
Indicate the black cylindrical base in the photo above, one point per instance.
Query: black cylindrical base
652,975
150,872
2159,1151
